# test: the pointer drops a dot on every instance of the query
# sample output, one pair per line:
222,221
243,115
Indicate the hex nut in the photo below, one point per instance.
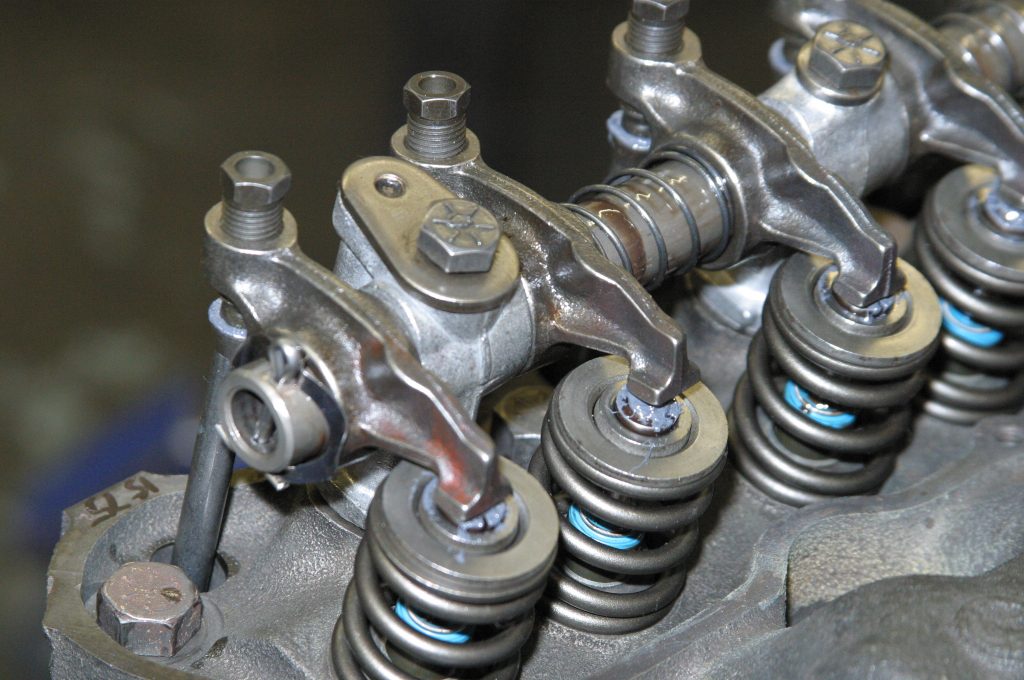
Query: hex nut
660,11
436,96
254,180
459,236
150,608
847,56
518,419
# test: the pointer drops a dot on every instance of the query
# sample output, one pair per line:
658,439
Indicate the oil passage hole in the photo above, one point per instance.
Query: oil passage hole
391,186
437,84
254,167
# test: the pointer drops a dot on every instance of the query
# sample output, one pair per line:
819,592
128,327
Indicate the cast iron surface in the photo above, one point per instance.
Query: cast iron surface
951,509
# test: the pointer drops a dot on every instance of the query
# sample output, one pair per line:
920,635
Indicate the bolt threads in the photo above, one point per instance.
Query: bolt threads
436,139
252,225
654,39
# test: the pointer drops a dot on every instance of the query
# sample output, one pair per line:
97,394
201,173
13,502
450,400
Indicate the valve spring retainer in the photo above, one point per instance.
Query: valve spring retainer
628,503
825,402
429,598
978,274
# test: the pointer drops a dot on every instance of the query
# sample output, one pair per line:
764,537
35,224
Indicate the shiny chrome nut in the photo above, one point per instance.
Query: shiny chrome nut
150,608
436,96
660,11
254,180
459,236
845,56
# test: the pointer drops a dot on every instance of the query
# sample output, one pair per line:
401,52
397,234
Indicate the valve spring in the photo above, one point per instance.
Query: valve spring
802,432
425,630
980,368
623,559
395,625
665,216
632,554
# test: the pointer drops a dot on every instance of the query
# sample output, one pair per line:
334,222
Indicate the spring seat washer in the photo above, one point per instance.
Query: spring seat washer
628,501
979,274
429,598
824,404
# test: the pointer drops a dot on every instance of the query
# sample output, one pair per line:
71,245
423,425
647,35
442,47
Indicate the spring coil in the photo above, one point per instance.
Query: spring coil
663,217
981,368
469,617
974,265
623,557
371,602
661,537
802,432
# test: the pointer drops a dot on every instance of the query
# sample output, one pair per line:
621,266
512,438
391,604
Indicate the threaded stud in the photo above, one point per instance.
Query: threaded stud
655,27
436,102
254,185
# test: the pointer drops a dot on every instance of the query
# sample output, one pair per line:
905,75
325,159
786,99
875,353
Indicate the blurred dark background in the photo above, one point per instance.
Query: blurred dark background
114,119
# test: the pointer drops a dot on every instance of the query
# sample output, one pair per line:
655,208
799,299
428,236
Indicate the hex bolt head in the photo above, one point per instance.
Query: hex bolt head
846,56
254,180
150,608
436,96
459,236
660,11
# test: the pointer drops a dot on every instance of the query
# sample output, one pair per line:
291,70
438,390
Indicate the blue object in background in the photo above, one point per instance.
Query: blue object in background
136,440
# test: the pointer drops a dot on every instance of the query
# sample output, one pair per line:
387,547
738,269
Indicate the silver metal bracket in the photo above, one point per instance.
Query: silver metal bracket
384,392
954,110
392,221
576,295
780,191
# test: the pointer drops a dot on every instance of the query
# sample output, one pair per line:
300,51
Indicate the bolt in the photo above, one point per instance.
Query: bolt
437,102
150,608
254,185
644,418
655,27
845,58
459,236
